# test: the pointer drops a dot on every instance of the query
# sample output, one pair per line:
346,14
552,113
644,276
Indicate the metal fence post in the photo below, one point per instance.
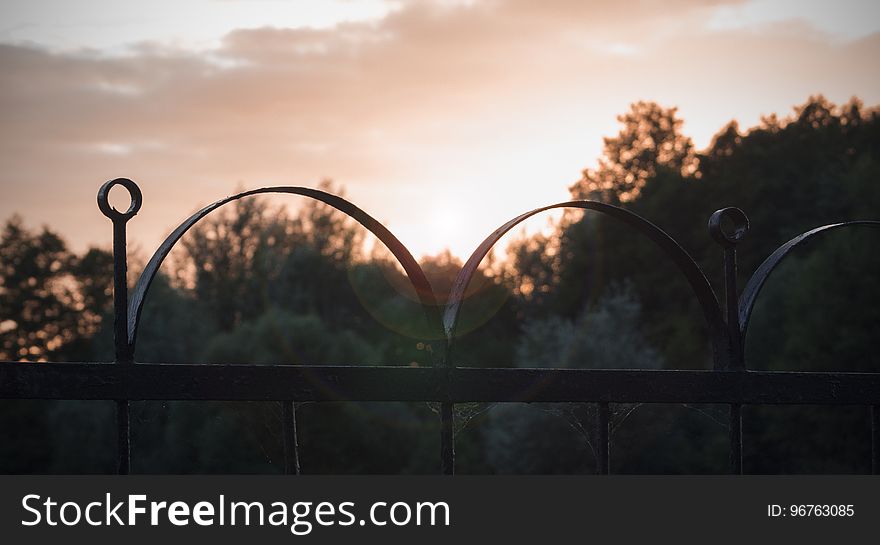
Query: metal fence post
124,350
728,227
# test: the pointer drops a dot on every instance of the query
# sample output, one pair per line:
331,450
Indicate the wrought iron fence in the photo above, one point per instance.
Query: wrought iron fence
729,382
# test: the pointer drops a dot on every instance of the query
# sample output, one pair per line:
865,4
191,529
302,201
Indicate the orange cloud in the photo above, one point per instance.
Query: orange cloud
473,111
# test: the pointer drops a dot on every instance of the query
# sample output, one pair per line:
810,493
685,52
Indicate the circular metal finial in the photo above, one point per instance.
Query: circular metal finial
728,226
134,192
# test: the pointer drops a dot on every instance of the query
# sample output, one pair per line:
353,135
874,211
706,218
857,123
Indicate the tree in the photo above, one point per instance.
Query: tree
37,301
52,303
650,139
244,258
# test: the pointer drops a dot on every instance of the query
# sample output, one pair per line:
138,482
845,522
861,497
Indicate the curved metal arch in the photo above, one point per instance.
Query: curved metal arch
413,271
686,264
762,273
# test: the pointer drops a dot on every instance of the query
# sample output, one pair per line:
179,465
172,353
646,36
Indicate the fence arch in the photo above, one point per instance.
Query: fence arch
730,382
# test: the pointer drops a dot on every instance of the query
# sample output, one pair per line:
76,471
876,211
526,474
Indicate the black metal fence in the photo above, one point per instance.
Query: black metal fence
730,382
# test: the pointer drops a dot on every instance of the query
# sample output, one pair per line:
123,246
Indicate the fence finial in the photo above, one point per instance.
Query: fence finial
124,349
108,210
728,227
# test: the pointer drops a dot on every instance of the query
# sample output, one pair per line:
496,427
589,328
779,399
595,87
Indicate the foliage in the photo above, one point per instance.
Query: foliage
50,299
649,140
255,283
604,336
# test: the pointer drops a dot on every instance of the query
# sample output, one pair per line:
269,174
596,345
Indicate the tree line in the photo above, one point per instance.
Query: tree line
258,283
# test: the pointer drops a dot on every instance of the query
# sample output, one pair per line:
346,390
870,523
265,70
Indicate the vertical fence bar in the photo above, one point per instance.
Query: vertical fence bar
123,349
120,333
731,297
603,444
447,409
447,439
291,448
735,423
123,438
727,236
737,362
875,439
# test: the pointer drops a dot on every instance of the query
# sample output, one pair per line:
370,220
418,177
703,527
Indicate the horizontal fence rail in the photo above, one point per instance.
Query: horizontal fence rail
729,382
204,382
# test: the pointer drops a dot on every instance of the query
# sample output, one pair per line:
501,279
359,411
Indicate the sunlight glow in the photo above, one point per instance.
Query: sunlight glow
443,227
443,119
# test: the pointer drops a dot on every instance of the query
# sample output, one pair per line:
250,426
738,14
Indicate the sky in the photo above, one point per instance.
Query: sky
443,119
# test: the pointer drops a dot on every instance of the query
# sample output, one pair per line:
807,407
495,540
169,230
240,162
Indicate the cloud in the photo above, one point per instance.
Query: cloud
491,107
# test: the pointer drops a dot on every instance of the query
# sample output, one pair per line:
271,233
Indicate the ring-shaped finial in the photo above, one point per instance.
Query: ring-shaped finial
724,236
134,193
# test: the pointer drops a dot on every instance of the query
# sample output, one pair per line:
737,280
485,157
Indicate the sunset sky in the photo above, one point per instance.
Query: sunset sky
443,119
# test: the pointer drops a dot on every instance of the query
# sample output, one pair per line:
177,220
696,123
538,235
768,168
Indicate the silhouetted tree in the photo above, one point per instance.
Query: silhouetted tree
649,139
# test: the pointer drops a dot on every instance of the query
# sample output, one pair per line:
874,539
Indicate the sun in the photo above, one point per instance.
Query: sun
436,228
445,220
445,228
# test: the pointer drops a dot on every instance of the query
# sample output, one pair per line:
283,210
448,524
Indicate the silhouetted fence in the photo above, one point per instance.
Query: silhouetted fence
730,382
